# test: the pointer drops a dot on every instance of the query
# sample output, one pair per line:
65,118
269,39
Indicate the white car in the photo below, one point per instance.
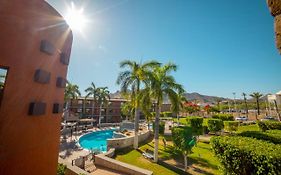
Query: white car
241,118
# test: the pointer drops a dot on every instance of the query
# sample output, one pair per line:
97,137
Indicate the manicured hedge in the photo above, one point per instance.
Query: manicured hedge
231,125
161,127
269,125
196,123
215,125
223,117
273,136
244,156
167,114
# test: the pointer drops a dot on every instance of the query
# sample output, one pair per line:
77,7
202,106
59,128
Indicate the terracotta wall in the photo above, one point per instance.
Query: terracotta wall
29,143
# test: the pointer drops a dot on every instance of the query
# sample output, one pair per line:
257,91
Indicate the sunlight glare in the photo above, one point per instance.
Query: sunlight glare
75,18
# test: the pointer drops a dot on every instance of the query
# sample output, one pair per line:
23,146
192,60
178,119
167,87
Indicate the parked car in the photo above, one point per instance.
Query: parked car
266,118
241,118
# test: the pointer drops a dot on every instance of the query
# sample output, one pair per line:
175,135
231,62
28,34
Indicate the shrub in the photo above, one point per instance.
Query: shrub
269,125
161,127
61,169
273,136
231,125
215,125
243,155
224,117
196,124
167,114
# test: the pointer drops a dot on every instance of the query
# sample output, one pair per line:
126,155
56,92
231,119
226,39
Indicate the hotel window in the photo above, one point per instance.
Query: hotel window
3,76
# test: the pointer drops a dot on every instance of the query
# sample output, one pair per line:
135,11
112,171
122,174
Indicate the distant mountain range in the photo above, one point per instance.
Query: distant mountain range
199,98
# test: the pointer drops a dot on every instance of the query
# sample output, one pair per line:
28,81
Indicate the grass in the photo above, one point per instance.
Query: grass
201,161
134,157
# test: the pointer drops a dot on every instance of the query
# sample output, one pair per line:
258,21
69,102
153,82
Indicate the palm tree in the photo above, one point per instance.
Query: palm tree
179,106
127,109
163,84
218,104
133,78
71,92
92,91
257,96
102,98
246,104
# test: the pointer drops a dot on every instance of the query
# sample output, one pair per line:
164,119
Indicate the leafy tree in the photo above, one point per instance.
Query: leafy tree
133,78
161,84
102,98
61,169
179,106
183,141
257,96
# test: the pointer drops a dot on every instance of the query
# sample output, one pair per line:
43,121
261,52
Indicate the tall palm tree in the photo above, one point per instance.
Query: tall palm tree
257,96
103,96
133,78
163,84
92,91
71,91
179,106
246,104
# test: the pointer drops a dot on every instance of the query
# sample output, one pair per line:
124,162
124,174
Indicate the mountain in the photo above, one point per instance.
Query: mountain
194,96
199,98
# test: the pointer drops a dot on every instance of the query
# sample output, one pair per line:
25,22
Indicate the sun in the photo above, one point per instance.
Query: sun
75,18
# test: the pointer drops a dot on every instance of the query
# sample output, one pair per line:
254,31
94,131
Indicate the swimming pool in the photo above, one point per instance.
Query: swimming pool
96,140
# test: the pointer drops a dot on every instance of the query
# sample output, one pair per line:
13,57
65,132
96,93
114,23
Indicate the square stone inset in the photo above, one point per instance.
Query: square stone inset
42,76
61,82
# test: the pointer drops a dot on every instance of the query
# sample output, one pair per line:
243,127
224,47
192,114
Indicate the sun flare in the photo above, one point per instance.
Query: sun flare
75,18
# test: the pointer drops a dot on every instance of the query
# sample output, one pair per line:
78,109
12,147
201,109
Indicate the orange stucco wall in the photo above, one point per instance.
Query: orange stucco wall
29,144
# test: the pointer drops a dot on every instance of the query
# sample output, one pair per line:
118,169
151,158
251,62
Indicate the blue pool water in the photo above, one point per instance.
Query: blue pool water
96,140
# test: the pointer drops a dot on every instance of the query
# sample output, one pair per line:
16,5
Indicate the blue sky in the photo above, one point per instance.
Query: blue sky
220,46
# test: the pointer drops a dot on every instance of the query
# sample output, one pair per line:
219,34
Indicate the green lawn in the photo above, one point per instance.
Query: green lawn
201,161
134,157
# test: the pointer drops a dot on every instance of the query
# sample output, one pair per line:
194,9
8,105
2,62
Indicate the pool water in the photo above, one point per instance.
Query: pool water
96,140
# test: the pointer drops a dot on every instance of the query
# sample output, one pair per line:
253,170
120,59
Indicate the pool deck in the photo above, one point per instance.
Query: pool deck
70,150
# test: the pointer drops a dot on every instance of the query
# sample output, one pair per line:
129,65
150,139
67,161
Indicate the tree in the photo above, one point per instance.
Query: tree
92,91
71,91
161,84
179,106
218,104
102,98
127,109
133,78
257,96
246,104
183,141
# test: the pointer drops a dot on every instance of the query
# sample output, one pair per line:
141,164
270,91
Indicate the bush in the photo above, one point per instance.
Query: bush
215,125
224,117
244,156
196,124
166,114
231,125
273,136
61,169
269,125
161,127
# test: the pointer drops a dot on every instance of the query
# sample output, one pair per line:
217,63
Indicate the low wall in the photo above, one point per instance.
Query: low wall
72,170
119,143
113,164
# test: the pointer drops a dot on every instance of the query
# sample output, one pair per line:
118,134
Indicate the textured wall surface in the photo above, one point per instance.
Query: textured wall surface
33,37
275,10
